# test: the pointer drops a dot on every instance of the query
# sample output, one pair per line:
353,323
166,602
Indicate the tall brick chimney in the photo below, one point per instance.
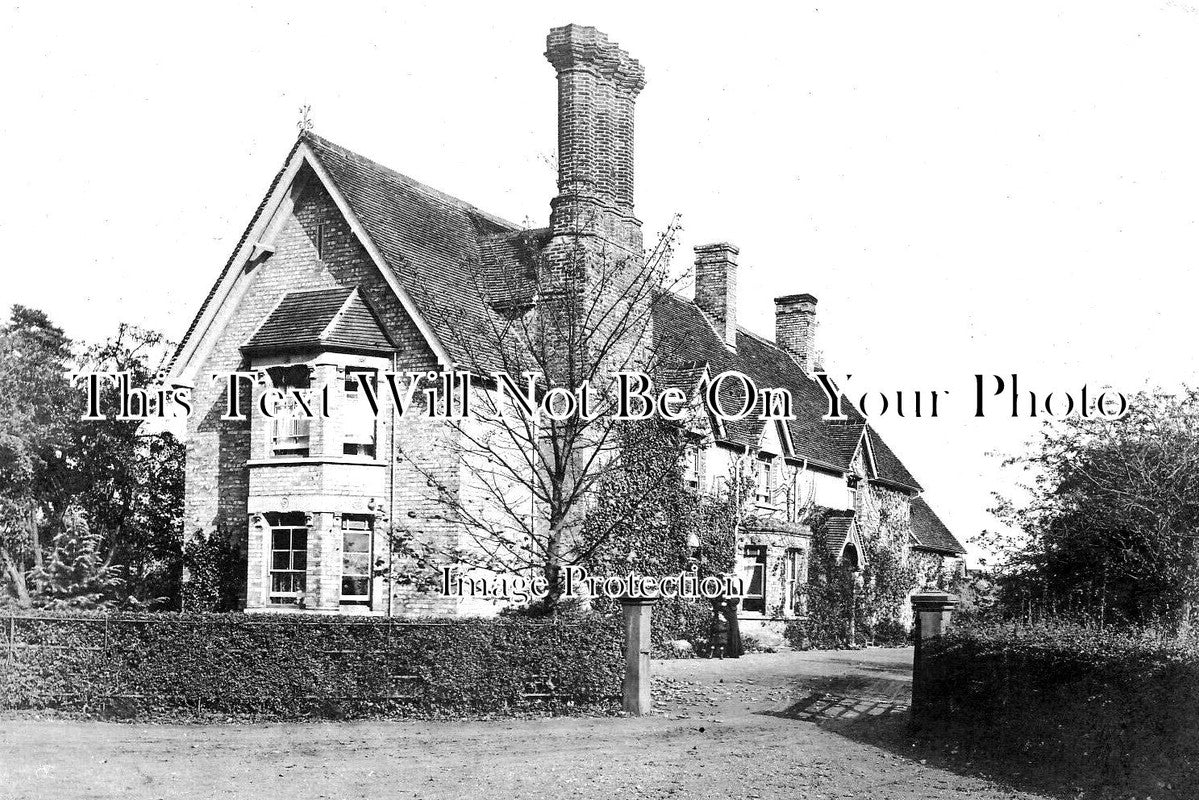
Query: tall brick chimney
795,328
598,83
716,287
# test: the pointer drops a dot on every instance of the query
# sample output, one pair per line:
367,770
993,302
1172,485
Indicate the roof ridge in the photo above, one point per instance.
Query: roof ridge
411,182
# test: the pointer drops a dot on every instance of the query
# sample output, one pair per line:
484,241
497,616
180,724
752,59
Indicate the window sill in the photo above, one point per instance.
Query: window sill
291,461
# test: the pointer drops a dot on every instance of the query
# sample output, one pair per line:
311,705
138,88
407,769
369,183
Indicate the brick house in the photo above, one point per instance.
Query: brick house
348,267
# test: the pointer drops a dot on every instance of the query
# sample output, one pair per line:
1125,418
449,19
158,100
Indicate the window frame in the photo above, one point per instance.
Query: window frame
757,573
348,528
795,568
299,573
352,391
296,442
764,480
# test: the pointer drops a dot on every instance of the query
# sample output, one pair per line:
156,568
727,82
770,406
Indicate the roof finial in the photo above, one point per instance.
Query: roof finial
305,123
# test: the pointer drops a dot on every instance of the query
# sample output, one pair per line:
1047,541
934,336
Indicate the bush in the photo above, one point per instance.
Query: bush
291,667
1113,701
676,618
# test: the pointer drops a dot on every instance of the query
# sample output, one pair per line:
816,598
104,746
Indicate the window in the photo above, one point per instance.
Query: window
356,535
291,426
754,575
720,486
289,558
359,420
692,468
794,569
763,480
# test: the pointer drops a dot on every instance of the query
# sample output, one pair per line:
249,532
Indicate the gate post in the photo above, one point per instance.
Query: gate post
635,690
932,613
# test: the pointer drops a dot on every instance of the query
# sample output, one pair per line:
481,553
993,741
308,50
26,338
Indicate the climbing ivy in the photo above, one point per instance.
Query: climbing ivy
655,543
873,599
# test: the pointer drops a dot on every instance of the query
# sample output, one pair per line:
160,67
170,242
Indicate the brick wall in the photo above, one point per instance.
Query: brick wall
219,483
795,328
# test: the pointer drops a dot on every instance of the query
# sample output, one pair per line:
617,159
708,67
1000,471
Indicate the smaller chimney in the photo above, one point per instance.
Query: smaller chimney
716,287
795,328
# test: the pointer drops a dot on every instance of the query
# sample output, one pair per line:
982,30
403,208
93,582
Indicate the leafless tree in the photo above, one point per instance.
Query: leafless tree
579,313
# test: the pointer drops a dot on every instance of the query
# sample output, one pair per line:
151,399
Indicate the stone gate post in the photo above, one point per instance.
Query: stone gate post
637,614
932,612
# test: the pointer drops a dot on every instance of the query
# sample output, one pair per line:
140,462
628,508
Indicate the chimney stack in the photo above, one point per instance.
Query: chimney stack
598,83
795,328
716,287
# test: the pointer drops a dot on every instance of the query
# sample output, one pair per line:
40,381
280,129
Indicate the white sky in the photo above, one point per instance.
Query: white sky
1003,189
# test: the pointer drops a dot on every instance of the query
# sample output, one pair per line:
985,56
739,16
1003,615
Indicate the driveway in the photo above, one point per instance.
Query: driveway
794,725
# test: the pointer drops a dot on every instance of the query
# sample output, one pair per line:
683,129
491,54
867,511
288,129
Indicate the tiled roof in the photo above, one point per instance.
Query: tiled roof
463,269
837,531
684,337
327,319
930,532
431,243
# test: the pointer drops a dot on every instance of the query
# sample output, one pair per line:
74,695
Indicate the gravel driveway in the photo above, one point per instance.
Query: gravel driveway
794,725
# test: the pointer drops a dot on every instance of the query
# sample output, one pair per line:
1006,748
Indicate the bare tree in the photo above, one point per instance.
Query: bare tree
579,313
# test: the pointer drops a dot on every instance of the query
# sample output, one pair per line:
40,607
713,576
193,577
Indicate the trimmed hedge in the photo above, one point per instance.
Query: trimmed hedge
1116,703
292,666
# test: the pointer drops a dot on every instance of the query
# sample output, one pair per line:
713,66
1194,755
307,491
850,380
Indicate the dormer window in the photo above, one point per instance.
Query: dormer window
851,484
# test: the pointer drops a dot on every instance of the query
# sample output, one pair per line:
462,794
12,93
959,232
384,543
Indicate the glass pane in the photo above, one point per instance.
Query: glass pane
357,543
356,563
299,561
299,540
281,560
279,540
354,586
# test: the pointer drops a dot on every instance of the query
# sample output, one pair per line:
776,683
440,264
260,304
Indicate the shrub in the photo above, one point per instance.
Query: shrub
291,667
1113,700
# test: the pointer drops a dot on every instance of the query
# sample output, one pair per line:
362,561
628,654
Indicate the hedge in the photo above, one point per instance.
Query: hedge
1114,702
293,667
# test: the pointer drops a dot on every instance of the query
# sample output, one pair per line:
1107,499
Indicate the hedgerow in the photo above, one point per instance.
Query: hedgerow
293,667
1114,701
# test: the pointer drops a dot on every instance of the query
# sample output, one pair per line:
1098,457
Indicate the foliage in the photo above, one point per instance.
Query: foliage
875,597
129,474
1111,700
289,668
1109,531
127,481
35,418
829,602
655,541
74,575
213,567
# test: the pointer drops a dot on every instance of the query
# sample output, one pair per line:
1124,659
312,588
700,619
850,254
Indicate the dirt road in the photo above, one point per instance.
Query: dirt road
795,725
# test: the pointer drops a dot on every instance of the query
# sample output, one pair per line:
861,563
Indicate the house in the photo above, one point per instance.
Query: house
349,270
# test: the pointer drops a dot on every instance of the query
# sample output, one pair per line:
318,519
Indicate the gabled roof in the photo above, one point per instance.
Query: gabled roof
325,319
930,532
841,531
442,255
684,337
431,243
